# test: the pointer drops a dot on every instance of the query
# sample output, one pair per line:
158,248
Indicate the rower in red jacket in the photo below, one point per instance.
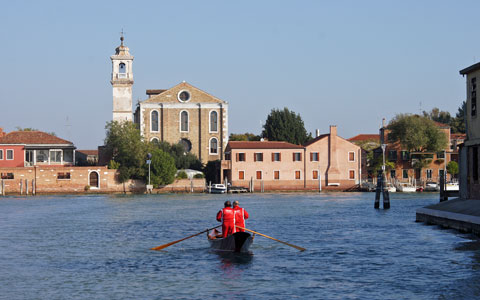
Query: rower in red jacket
240,216
227,217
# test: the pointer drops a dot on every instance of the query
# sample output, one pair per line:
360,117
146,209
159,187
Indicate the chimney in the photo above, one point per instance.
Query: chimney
333,130
317,133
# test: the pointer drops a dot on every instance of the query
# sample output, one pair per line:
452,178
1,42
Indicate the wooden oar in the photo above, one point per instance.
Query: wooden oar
294,246
173,243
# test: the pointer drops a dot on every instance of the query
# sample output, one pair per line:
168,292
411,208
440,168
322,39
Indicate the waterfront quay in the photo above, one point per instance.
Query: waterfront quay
97,247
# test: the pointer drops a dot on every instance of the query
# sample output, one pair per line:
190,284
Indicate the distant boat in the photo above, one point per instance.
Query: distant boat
431,186
405,188
390,188
217,188
452,186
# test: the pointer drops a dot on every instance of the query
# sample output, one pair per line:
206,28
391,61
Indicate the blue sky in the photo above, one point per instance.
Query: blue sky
344,63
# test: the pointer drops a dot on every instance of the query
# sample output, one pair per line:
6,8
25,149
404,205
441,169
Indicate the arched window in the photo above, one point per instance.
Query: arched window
154,140
184,121
121,68
93,180
213,121
213,146
154,121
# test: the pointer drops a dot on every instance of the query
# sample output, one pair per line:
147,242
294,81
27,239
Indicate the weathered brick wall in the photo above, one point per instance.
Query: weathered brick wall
47,181
292,185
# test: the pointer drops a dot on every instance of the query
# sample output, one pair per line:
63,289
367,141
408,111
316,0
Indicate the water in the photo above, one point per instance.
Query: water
97,247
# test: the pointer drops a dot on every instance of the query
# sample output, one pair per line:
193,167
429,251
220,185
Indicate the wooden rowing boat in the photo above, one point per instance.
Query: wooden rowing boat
237,242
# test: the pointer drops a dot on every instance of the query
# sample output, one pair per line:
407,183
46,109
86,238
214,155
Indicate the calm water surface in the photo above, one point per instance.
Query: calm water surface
97,247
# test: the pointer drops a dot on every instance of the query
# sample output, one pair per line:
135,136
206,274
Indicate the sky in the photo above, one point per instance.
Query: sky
344,63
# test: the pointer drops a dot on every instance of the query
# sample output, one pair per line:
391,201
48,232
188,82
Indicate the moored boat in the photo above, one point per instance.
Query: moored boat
217,188
237,242
405,188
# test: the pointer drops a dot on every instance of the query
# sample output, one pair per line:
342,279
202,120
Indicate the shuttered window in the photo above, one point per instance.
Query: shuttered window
297,156
276,175
259,175
315,174
297,175
241,175
351,174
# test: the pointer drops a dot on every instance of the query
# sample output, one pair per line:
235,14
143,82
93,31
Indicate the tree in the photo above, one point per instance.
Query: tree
183,160
458,123
452,168
162,168
285,125
438,115
124,145
416,133
244,137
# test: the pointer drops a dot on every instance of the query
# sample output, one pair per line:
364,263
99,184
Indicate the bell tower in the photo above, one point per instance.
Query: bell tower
122,82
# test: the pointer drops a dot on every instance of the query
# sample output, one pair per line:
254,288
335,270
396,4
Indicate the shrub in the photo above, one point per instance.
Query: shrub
113,164
182,175
199,175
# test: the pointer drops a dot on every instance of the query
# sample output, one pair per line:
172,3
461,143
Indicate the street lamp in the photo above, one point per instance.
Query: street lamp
149,162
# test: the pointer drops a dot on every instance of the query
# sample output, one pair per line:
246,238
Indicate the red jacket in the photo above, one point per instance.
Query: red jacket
227,217
240,216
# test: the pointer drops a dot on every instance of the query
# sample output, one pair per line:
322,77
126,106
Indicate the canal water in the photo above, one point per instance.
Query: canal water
97,247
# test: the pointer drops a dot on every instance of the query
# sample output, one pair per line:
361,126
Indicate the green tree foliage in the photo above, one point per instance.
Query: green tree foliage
124,145
182,175
18,128
244,137
368,145
416,133
113,164
438,115
183,160
162,168
285,125
212,171
458,123
452,168
375,163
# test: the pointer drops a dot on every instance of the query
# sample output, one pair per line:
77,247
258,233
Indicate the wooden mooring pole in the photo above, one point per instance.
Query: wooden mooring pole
443,192
381,190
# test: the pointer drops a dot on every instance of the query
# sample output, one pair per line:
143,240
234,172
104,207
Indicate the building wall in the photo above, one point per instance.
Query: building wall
473,122
18,156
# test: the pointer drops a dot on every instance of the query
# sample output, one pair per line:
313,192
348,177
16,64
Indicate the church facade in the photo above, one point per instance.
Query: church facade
181,114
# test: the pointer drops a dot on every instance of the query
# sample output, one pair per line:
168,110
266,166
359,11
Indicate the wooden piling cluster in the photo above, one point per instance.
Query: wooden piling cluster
381,190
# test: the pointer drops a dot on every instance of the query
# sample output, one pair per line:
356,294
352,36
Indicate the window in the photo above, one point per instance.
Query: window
429,174
473,96
122,71
297,156
240,156
276,156
474,163
259,175
228,156
276,175
297,175
392,155
9,154
29,158
213,121
184,121
213,146
154,140
351,174
68,155
7,176
393,174
42,156
183,96
405,155
154,121
187,145
405,174
351,156
315,174
1,154
63,175
55,156
241,175
441,155
313,156
258,157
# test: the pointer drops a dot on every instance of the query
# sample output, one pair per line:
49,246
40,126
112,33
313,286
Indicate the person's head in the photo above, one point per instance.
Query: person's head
228,204
235,203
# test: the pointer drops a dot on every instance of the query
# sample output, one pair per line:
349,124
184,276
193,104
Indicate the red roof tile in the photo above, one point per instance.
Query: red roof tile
364,137
31,137
88,152
261,145
316,139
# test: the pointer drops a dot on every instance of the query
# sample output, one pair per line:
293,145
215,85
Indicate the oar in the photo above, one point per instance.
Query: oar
294,246
173,243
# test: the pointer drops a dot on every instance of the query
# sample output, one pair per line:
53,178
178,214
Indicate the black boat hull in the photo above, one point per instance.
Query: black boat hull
237,242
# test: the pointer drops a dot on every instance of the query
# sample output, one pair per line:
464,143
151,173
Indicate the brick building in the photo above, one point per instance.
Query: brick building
328,160
187,115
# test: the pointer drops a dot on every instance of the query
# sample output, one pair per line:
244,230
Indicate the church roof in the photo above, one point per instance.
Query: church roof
171,95
32,138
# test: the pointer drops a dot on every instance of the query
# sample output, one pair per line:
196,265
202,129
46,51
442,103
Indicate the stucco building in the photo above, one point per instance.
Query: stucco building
470,184
328,160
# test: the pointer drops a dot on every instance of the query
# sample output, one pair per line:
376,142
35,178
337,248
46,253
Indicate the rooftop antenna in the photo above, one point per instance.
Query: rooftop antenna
68,128
420,108
122,36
